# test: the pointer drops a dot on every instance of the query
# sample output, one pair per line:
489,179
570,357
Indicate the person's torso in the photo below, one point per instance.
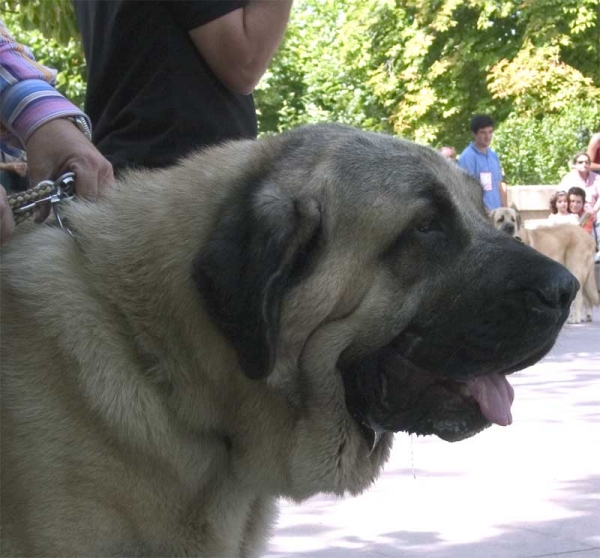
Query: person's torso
151,97
563,219
592,187
485,167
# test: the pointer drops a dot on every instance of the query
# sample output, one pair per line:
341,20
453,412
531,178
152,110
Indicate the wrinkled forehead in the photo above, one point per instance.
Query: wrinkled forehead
396,172
505,215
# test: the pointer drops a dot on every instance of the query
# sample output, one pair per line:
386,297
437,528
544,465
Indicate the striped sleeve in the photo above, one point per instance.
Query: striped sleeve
28,98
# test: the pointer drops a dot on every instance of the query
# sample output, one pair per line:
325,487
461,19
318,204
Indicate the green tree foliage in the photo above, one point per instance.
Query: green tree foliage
55,19
47,27
538,150
415,68
422,68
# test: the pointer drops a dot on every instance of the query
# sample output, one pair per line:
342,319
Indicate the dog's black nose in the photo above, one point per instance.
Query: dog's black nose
508,228
549,287
559,288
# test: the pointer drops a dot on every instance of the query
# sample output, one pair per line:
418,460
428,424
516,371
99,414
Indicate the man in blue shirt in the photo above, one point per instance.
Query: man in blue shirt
480,161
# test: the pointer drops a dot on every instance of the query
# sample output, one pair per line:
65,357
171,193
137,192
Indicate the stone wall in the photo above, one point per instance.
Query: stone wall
533,202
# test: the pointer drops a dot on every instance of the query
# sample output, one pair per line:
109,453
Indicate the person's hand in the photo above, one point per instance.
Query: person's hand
58,147
18,167
7,223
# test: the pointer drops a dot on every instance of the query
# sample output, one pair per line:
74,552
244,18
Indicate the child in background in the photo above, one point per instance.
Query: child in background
559,206
576,206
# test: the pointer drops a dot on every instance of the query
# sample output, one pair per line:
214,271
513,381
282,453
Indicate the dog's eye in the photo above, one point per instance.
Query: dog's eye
501,220
428,226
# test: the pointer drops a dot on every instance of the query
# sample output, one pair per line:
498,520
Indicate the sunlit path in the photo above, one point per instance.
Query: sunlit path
528,490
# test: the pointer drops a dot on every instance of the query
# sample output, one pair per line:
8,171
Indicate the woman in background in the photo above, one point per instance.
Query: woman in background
582,177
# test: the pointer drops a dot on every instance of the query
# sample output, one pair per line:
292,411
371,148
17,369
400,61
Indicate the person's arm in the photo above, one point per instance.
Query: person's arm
596,206
503,193
239,45
39,118
592,150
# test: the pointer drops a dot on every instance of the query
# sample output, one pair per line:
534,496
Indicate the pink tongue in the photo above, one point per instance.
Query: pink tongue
495,396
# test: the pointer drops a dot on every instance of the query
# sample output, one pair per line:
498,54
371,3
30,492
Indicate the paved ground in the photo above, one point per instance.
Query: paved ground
528,490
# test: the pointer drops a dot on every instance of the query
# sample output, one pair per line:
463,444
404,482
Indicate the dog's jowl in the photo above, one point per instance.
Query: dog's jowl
255,322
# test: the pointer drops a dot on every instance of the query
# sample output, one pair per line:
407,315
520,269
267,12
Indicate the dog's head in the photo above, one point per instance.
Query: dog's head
358,256
507,220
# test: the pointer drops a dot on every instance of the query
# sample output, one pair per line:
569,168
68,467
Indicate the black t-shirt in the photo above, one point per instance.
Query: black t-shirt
151,97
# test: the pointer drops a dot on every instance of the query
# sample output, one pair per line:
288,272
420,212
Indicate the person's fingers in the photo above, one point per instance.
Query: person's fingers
21,169
93,175
106,178
58,147
7,223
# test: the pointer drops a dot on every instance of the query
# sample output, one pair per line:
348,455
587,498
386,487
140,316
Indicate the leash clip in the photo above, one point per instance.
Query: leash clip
63,188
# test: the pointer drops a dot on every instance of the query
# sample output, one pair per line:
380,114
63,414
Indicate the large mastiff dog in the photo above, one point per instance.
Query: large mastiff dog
255,322
569,245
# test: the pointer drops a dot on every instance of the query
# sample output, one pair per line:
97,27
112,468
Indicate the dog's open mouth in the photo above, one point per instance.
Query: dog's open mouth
385,392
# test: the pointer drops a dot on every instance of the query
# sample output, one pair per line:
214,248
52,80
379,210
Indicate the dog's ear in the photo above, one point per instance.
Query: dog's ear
519,218
260,247
519,221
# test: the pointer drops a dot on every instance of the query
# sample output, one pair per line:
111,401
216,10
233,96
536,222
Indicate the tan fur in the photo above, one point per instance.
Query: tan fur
568,245
145,412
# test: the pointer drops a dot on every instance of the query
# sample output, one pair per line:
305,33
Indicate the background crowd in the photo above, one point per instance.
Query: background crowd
577,199
209,40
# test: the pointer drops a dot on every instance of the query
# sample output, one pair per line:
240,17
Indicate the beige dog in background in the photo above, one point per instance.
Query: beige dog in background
568,245
250,324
